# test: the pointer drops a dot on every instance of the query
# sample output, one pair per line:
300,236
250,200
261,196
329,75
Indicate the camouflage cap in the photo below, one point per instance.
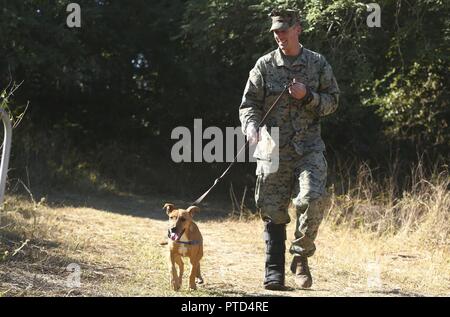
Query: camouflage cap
283,19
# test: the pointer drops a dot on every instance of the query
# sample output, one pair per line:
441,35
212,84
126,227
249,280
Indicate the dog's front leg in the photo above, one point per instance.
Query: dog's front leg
174,280
198,276
180,263
193,274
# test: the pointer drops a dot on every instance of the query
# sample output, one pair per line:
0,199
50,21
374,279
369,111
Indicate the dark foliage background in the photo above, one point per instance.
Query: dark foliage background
104,98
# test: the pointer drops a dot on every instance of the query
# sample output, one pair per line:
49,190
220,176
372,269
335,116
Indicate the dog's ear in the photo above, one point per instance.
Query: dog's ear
193,209
168,207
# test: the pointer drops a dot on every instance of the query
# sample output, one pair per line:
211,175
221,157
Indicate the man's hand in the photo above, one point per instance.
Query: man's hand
252,134
297,90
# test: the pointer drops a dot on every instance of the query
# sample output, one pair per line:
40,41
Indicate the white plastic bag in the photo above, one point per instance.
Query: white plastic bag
266,152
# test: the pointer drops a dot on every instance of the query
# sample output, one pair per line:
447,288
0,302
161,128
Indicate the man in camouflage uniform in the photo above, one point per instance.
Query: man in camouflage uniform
302,170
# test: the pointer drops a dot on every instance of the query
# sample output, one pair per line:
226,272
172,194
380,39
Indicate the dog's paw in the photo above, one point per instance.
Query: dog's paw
192,287
175,285
199,280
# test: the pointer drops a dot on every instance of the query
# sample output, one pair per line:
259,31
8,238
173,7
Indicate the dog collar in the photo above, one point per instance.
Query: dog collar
191,242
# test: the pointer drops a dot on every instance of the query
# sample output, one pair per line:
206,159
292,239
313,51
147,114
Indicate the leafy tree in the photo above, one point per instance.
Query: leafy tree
105,97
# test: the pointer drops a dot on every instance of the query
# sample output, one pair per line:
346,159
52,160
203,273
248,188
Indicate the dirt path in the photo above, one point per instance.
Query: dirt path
114,242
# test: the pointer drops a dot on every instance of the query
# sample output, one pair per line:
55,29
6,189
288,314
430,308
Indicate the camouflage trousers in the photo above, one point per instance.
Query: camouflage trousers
302,180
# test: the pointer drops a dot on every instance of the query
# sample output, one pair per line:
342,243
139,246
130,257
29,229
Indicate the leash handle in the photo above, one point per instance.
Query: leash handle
217,180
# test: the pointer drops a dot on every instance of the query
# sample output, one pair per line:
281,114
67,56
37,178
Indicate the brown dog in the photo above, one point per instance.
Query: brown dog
185,240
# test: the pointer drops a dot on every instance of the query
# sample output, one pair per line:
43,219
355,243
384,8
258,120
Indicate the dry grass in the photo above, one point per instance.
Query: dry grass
367,246
423,210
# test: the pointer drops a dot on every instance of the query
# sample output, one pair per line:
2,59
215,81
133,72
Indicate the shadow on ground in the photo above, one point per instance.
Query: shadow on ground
137,206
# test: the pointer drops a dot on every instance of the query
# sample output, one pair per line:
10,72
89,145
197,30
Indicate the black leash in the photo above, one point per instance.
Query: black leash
199,200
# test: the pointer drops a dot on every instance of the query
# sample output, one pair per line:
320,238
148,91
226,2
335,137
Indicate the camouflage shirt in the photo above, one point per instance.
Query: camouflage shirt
298,123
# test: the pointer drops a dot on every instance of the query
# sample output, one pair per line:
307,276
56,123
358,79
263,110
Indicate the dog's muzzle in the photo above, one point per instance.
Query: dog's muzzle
172,235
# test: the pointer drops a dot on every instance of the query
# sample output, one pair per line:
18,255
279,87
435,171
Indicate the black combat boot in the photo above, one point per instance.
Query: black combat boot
300,268
274,236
